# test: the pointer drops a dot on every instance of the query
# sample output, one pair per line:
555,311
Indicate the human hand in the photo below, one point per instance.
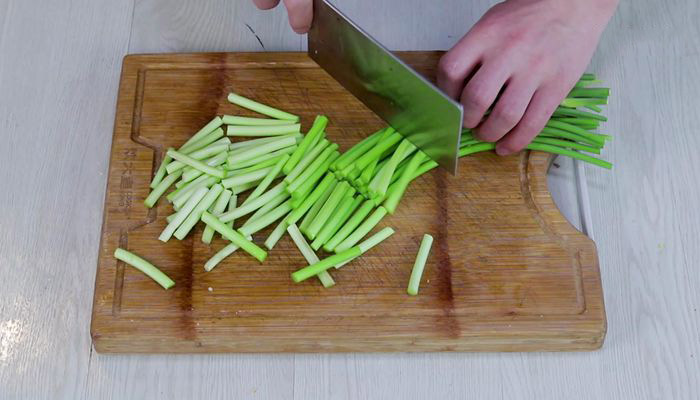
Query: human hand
300,12
524,56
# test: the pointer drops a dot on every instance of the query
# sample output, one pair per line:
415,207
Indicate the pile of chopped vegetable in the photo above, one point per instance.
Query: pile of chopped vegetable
312,191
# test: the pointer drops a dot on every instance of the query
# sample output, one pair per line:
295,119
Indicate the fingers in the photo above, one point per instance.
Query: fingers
300,13
541,107
266,4
509,109
457,65
481,92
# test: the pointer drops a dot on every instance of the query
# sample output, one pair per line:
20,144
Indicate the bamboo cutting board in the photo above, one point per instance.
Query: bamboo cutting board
506,273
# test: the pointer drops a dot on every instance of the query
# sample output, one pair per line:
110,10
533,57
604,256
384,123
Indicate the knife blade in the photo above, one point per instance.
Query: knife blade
386,85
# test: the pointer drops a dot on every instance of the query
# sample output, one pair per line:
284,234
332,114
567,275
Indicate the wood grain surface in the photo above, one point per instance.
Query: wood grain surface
507,272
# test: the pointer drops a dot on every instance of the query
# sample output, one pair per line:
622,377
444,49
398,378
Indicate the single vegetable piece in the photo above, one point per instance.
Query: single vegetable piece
362,230
569,153
235,237
323,265
277,130
339,216
350,226
389,139
248,121
311,257
237,146
231,206
320,190
260,108
315,165
248,153
238,180
419,265
144,266
183,188
308,159
316,129
196,164
357,150
184,196
160,173
380,183
254,164
307,186
182,214
316,206
255,204
276,234
221,255
217,209
327,209
158,191
269,177
203,142
207,129
196,213
373,240
272,203
209,151
244,187
394,195
267,219
191,174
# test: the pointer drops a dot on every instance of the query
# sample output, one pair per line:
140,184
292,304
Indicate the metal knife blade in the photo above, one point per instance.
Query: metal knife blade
393,90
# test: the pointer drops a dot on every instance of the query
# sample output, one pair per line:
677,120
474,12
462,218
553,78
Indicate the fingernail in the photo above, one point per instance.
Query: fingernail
502,151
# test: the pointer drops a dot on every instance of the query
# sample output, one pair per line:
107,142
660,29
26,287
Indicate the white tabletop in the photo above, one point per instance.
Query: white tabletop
59,71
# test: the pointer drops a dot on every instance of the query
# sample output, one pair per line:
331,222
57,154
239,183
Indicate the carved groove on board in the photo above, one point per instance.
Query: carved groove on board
529,165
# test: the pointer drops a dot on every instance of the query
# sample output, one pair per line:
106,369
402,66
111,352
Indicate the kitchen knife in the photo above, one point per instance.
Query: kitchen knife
386,85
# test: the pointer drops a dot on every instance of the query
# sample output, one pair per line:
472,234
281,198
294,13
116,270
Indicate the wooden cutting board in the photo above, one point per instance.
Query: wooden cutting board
507,272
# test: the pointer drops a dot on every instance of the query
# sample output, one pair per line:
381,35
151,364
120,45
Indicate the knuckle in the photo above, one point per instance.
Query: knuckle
448,67
506,115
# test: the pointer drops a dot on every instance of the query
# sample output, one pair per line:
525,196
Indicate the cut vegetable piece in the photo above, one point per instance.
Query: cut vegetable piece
380,183
243,188
276,234
158,191
349,226
313,167
260,108
276,130
206,129
569,153
589,93
196,213
362,230
341,214
221,255
396,193
209,151
231,206
248,153
327,209
307,160
255,204
196,164
203,142
248,121
318,203
372,241
316,129
272,203
191,174
389,139
267,219
160,173
419,265
237,146
309,255
307,186
217,209
235,237
182,214
259,162
187,186
326,186
184,196
269,177
144,266
238,180
323,265
357,150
